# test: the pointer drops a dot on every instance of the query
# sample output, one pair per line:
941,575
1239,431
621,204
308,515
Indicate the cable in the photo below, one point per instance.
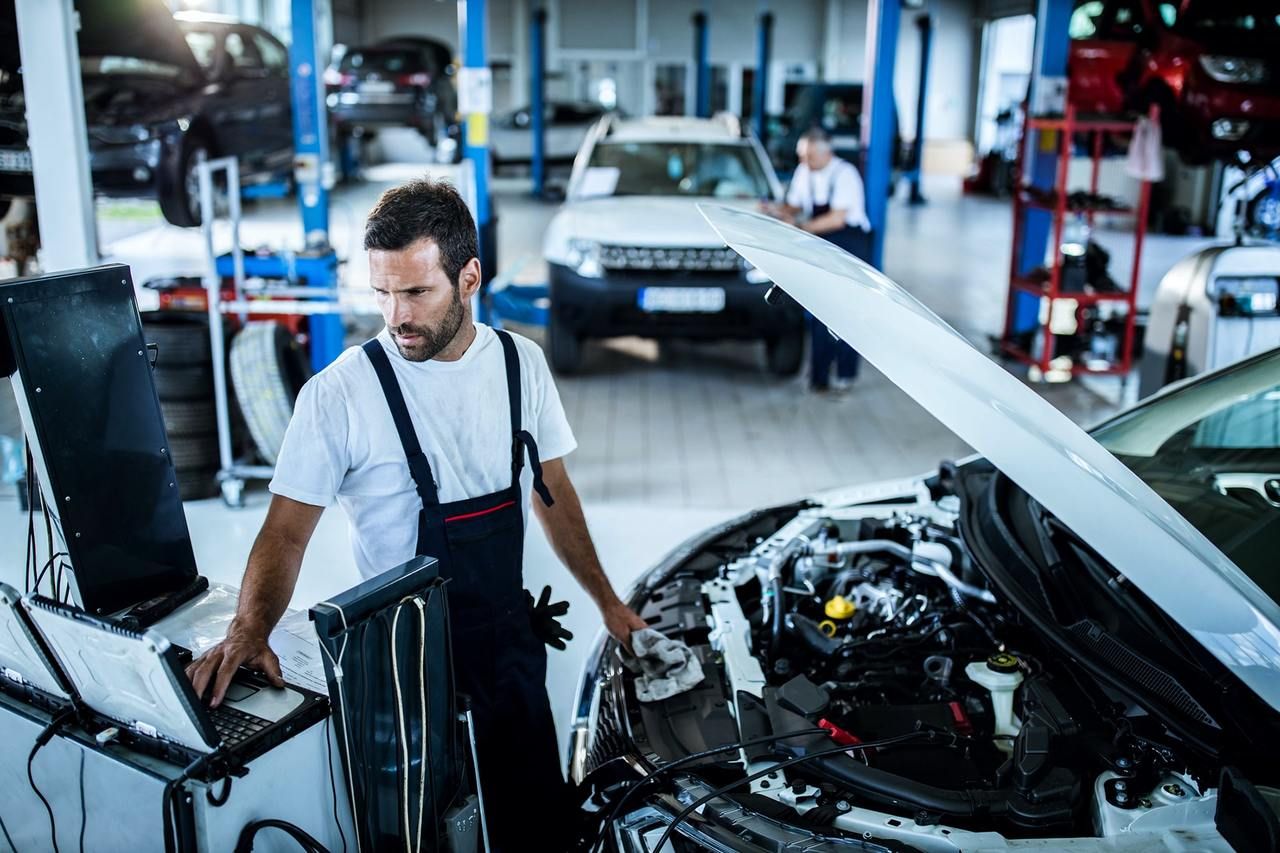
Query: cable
336,665
244,843
400,726
689,759
5,830
84,813
43,738
423,764
333,783
723,789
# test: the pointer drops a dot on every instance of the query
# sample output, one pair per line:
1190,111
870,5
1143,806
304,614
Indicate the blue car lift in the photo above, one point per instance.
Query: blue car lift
883,19
701,65
924,24
538,99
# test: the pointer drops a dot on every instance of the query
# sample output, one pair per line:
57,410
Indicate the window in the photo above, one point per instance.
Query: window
204,45
719,170
273,53
387,61
1169,13
240,54
1212,451
1084,20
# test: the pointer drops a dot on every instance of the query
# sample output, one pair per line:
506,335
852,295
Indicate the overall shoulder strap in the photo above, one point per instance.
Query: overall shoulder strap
419,467
521,439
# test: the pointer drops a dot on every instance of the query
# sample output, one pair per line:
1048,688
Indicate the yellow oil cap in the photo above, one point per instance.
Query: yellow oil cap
839,608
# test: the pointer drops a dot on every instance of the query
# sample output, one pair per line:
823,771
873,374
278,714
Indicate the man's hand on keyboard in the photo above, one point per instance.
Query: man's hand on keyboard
212,672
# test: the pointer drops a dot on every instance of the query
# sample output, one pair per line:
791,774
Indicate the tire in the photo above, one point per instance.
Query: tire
566,348
193,452
179,343
178,189
268,369
189,417
785,354
183,383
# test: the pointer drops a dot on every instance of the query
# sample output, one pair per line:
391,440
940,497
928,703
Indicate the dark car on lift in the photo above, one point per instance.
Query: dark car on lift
404,81
1210,65
160,94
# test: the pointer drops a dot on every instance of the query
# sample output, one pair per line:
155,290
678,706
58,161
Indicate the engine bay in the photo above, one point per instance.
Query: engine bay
869,627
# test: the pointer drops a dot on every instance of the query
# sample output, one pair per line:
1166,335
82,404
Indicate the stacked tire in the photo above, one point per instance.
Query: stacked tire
184,383
268,368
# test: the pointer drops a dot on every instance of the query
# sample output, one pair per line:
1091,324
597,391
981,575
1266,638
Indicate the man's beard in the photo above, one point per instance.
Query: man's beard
433,340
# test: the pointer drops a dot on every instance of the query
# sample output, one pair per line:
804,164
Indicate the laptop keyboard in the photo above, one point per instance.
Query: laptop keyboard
234,725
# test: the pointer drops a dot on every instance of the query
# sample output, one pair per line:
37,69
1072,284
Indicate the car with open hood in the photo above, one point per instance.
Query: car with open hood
161,94
1071,640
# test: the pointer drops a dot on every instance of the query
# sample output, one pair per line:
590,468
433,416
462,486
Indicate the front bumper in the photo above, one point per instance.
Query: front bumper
1211,102
118,170
609,306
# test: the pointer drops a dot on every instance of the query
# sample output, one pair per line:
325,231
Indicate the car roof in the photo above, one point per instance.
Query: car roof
673,128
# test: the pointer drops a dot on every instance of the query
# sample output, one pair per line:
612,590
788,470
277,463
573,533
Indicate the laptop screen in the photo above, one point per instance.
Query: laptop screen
132,679
21,658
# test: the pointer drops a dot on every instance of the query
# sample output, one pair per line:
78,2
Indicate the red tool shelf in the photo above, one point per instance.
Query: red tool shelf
1067,128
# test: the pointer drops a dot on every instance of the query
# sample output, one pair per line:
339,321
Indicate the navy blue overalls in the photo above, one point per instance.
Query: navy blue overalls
824,349
497,660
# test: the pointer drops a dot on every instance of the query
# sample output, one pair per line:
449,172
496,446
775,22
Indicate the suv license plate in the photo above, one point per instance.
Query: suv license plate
376,87
15,160
682,300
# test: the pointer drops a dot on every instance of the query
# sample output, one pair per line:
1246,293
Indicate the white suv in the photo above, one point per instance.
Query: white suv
629,253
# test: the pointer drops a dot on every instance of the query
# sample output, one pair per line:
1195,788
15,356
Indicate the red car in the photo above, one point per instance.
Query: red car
1213,67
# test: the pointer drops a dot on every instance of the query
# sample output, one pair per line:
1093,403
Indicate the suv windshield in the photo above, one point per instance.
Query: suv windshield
720,170
389,61
1223,17
1212,451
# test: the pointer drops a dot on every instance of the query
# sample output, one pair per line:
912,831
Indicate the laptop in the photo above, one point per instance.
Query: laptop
136,682
27,670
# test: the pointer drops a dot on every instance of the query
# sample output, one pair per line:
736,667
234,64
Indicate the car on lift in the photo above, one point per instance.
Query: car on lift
566,123
402,81
629,254
1209,65
1069,642
161,93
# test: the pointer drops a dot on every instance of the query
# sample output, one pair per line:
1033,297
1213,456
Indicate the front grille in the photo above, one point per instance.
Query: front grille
609,740
722,259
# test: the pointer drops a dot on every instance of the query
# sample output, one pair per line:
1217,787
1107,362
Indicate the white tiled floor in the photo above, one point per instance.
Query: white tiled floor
674,437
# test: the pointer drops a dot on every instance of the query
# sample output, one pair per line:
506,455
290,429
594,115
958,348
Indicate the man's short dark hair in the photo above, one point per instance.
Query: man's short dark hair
817,134
424,209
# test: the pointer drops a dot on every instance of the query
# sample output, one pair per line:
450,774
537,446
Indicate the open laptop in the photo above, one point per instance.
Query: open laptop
135,681
27,670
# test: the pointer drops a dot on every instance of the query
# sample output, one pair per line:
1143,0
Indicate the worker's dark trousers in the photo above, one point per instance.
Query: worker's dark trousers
824,350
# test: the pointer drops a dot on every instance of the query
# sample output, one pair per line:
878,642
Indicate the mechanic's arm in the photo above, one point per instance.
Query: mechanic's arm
567,531
268,585
832,220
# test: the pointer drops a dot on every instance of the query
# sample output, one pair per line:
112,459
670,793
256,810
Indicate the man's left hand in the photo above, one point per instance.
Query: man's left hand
620,620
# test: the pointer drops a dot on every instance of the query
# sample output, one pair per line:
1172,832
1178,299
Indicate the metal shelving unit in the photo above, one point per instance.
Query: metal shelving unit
1059,206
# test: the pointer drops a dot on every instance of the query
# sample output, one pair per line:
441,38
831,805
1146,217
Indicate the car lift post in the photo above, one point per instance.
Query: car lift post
924,23
312,168
883,18
701,66
1047,95
537,98
760,97
56,135
475,102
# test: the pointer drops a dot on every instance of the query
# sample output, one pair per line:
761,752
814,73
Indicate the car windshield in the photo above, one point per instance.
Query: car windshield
719,170
383,61
1223,17
1211,449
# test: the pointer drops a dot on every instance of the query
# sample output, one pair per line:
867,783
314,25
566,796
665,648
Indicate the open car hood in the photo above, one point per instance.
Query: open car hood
1030,441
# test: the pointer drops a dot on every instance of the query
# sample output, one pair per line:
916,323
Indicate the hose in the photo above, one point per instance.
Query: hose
922,565
778,620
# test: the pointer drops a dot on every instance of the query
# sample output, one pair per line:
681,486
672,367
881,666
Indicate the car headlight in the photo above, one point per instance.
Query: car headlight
584,257
1234,69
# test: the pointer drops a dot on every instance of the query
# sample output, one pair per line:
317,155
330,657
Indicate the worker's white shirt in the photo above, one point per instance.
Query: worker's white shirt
837,184
342,443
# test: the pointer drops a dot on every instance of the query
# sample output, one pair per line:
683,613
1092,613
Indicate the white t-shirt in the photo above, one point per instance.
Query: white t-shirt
837,184
342,443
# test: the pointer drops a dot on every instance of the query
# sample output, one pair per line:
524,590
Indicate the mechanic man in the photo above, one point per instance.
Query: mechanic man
422,437
827,191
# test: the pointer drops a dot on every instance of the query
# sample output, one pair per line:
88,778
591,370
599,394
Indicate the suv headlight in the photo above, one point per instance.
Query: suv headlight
584,257
1234,69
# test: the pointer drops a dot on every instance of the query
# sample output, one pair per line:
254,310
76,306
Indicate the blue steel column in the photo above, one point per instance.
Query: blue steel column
925,24
311,158
764,48
538,97
883,18
473,33
701,66
1048,75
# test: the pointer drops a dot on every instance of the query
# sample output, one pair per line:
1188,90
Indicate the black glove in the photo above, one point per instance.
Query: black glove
544,618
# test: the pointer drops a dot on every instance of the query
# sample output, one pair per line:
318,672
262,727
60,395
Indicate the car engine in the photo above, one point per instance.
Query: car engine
870,626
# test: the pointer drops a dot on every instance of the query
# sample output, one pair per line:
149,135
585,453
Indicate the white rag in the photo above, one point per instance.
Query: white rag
666,667
1146,152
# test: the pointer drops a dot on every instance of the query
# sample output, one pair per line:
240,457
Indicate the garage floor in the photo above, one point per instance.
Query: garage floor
673,437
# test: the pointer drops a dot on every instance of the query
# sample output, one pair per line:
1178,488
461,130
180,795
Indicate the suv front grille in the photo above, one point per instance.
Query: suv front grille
719,259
